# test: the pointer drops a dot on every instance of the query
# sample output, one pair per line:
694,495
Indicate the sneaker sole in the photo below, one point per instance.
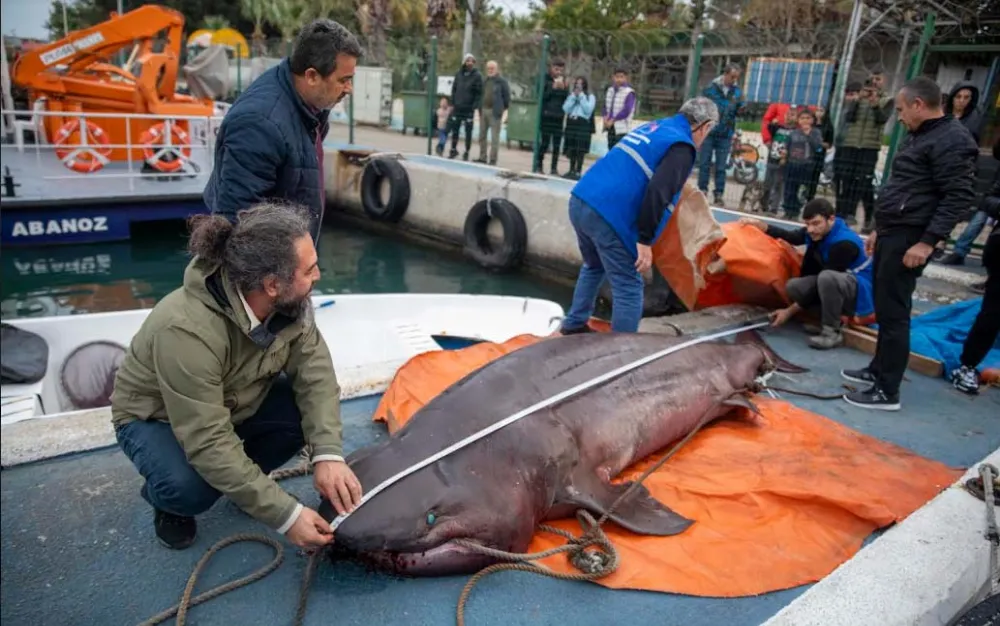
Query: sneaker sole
855,379
878,407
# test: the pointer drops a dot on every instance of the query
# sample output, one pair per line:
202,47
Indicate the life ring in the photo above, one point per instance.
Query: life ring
510,253
71,154
179,148
374,173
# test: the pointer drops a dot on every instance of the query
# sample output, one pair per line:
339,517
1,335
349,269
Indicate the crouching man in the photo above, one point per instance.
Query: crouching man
836,273
228,378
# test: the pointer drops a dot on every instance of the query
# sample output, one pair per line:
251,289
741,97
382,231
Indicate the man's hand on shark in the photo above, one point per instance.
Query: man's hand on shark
310,530
335,481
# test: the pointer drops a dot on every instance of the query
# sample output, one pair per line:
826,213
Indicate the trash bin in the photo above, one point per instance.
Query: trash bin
415,113
521,122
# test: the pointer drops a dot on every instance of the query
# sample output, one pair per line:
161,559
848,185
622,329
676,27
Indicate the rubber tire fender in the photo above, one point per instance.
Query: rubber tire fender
399,190
511,252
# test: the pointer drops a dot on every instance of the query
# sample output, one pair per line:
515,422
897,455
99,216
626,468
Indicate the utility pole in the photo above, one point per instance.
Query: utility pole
65,18
467,40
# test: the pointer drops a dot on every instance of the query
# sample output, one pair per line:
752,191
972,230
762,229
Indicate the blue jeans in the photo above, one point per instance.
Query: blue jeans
270,437
963,245
603,254
719,147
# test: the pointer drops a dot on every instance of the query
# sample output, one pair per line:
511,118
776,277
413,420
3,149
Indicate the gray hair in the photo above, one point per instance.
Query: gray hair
924,89
318,44
732,67
699,110
260,244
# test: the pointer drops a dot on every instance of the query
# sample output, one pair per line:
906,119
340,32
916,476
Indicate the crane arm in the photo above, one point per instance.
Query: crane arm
83,47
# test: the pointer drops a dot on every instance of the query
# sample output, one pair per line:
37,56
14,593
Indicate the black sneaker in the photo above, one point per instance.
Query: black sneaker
862,375
174,531
965,379
873,398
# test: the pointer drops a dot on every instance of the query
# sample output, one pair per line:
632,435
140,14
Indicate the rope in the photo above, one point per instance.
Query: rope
181,608
592,565
810,394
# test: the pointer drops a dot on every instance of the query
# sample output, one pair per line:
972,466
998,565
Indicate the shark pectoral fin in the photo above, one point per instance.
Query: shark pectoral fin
738,400
638,512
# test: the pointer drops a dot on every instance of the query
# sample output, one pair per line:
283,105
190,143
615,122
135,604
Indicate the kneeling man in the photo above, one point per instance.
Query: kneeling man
228,378
836,273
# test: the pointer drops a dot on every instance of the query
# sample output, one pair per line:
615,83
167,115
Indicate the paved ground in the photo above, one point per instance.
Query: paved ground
78,545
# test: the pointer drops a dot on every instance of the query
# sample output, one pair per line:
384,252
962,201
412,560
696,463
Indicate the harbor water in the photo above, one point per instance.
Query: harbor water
74,279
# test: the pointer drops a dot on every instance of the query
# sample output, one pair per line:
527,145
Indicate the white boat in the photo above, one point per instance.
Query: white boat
369,336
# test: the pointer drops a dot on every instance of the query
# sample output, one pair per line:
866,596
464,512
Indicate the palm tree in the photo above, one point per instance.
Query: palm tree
256,11
377,18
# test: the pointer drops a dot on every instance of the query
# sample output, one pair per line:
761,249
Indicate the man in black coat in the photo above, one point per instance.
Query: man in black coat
931,186
270,143
466,99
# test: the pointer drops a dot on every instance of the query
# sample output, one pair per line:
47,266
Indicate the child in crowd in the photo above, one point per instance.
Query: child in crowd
443,113
803,143
774,177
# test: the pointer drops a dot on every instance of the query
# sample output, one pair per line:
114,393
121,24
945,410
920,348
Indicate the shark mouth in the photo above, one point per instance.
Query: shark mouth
447,559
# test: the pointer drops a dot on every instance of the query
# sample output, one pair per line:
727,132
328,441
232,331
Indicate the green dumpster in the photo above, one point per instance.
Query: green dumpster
521,122
414,111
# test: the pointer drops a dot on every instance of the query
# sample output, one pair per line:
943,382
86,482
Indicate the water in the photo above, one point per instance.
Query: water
66,280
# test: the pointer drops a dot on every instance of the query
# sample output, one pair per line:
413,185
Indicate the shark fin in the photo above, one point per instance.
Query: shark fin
639,512
738,400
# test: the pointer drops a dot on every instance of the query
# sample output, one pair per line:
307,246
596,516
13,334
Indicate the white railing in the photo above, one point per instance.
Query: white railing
203,129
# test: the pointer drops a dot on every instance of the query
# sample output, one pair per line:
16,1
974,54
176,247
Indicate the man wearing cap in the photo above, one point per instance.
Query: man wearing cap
466,99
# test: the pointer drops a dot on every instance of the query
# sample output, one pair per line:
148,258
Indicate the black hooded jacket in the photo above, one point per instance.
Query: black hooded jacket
972,117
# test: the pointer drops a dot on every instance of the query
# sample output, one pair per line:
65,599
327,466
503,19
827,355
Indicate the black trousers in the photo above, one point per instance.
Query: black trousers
854,171
455,122
985,330
552,132
893,284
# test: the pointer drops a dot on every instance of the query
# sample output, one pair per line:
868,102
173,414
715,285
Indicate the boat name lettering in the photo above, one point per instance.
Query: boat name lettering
66,225
97,264
69,49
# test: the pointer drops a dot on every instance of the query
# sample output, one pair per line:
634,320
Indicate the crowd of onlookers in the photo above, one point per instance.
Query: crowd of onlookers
799,140
568,112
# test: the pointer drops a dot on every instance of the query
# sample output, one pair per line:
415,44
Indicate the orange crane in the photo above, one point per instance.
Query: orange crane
75,74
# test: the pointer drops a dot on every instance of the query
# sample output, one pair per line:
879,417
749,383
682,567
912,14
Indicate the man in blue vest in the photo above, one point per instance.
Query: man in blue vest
620,207
836,272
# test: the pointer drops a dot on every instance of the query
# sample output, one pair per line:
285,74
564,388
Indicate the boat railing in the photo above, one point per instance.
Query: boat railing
83,145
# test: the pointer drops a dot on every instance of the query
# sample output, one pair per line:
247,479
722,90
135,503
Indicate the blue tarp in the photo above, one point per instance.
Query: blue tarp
940,334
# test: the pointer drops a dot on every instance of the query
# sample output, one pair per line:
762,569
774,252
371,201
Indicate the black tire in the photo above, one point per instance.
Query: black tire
983,614
399,190
510,254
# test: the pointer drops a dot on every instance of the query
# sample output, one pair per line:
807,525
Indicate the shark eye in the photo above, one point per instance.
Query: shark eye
431,518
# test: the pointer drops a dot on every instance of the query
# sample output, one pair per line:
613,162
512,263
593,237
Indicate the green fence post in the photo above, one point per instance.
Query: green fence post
543,63
431,91
696,66
350,117
916,66
239,68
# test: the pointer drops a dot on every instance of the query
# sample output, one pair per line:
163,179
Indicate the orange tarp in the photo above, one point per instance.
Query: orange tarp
776,504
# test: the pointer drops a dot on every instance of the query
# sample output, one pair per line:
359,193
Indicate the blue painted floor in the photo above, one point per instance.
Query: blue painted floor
78,546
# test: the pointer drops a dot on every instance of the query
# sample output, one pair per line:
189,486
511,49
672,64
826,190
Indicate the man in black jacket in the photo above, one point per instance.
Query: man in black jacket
466,98
985,330
270,144
554,95
931,187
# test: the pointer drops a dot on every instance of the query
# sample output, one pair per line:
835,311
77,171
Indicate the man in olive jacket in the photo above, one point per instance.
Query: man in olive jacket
228,378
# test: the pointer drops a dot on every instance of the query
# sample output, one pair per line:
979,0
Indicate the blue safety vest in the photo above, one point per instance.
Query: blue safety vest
861,268
616,184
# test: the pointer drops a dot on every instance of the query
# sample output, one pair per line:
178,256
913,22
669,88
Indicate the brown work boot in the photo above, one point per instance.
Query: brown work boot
829,338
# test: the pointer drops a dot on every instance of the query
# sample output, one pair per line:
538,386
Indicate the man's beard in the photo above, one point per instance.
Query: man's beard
291,307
